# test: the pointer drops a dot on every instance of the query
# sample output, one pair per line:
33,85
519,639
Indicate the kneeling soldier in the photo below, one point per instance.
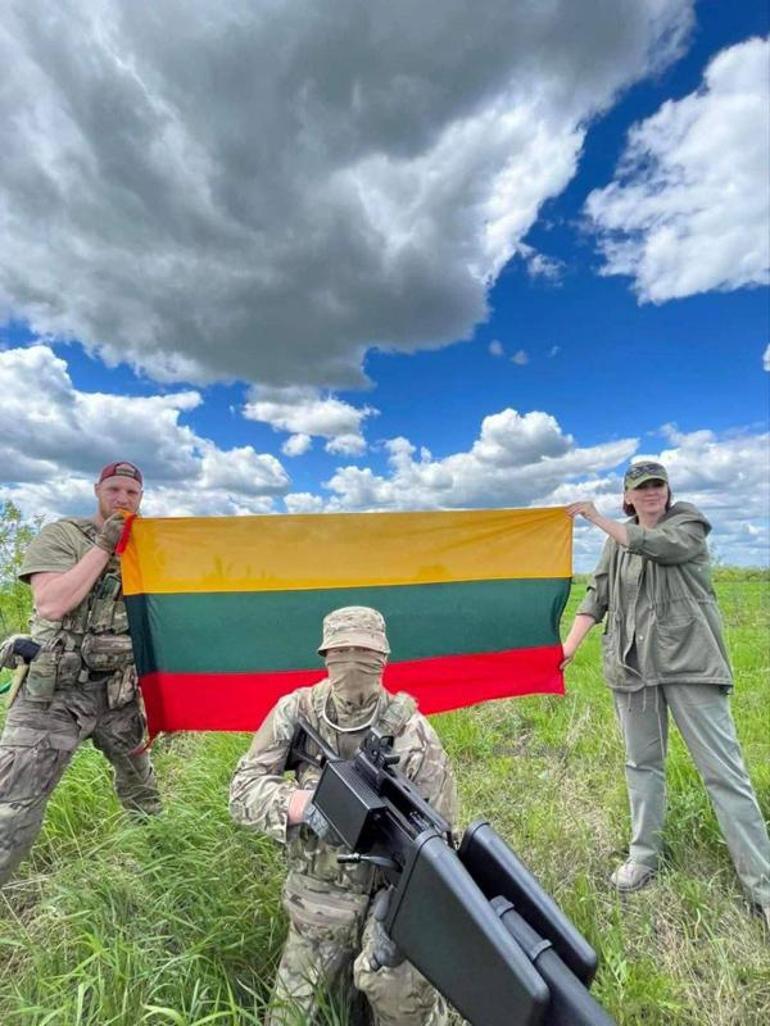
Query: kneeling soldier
336,911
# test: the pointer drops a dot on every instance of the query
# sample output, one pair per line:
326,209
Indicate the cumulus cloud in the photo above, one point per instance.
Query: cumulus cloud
305,413
528,460
689,209
717,468
346,445
304,502
520,358
766,359
496,347
54,439
724,475
297,445
517,460
241,191
539,265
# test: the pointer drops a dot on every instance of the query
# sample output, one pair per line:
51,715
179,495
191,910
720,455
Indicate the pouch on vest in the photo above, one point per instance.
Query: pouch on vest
319,912
40,683
107,652
49,670
105,606
75,621
120,617
121,688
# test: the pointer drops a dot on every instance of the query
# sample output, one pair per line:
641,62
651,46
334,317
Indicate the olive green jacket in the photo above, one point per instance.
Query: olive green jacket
662,621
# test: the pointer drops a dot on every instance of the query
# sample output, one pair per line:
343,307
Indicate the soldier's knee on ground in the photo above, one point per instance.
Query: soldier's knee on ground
322,940
398,995
307,968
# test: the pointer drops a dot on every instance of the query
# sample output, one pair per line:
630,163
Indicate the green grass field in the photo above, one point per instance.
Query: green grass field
178,921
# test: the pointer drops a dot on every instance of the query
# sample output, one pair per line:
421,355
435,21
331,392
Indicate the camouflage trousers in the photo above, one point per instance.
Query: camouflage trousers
329,946
37,744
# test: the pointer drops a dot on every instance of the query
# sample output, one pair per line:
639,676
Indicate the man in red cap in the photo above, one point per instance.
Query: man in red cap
81,683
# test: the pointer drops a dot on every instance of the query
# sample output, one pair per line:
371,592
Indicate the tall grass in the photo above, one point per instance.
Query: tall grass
177,921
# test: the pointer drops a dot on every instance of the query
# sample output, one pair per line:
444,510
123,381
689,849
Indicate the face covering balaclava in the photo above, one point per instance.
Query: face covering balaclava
355,679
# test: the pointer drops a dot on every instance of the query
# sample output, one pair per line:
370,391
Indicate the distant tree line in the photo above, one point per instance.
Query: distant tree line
15,598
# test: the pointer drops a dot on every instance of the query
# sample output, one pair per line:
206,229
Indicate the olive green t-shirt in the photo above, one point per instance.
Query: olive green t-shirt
57,548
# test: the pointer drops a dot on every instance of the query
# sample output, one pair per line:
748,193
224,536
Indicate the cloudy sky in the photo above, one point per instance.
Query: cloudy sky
310,255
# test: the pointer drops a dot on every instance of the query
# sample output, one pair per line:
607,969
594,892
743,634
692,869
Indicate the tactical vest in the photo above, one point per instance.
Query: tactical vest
308,855
91,640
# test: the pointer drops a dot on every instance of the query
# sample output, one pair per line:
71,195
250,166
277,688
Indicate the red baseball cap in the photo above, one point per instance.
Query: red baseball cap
120,469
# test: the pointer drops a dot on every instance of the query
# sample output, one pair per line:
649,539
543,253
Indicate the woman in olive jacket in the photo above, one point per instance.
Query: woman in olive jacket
662,649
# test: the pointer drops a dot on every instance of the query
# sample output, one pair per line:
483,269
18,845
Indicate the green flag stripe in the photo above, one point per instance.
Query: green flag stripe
231,632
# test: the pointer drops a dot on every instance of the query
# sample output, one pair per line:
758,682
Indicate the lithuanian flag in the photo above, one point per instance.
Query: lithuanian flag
225,612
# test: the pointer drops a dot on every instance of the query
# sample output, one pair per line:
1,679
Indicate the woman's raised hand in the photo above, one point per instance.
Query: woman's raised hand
583,509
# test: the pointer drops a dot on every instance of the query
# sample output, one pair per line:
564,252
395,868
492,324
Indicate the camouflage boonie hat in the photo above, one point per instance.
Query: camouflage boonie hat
354,625
638,473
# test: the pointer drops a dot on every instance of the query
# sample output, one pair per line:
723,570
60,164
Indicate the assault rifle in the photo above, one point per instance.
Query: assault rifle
474,921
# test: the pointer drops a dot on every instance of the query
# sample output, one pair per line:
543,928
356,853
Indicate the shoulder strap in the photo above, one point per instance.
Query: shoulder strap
397,714
83,524
313,701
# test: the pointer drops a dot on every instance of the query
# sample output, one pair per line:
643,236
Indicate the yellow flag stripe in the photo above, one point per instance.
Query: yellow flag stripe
279,553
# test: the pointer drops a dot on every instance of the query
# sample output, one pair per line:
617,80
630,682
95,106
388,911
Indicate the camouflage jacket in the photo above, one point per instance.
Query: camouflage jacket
260,792
662,621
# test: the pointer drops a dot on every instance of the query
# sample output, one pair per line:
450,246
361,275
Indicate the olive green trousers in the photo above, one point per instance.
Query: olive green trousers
702,714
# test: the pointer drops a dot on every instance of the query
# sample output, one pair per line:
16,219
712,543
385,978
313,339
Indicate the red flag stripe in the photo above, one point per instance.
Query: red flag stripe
240,701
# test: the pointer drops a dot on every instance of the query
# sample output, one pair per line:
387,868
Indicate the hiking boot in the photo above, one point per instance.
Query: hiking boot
631,876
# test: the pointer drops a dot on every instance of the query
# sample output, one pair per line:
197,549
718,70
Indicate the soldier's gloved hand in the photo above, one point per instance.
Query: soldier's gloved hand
320,825
385,951
110,532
